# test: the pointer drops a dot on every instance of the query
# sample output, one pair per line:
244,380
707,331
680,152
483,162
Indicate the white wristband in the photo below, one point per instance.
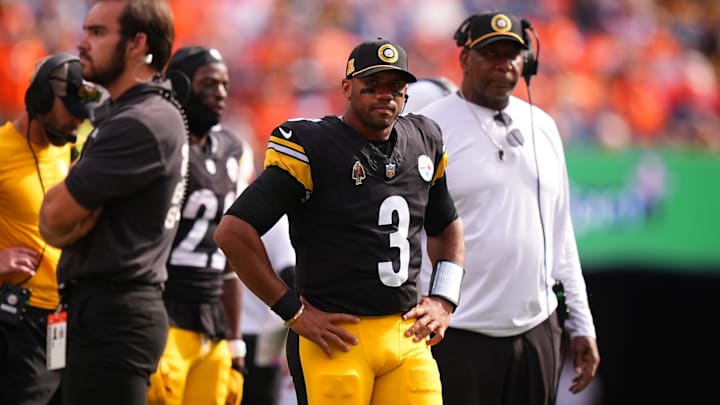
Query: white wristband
237,348
446,281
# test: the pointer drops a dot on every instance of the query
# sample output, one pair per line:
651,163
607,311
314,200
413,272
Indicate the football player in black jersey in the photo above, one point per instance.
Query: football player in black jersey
358,189
196,365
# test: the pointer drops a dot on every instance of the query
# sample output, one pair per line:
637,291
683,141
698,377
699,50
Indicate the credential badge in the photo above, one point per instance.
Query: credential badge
358,173
426,168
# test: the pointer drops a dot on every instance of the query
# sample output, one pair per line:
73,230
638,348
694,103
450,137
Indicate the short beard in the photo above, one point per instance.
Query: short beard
376,123
115,69
379,125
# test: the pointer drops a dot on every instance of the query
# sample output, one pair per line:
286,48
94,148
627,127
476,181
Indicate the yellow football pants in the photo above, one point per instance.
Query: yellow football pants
194,370
385,367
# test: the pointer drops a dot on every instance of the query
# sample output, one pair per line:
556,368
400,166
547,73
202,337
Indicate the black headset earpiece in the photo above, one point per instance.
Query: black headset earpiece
461,34
181,85
532,55
39,96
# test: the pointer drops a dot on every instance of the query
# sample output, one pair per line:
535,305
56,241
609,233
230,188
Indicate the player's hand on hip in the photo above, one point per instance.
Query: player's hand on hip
432,318
321,328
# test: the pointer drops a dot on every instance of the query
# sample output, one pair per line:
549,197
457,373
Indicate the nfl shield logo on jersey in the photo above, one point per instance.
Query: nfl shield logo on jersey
426,167
390,170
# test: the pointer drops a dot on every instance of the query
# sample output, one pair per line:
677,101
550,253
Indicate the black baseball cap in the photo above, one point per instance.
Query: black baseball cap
371,57
486,28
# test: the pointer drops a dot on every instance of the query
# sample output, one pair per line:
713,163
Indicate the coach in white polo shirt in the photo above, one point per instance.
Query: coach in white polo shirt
506,173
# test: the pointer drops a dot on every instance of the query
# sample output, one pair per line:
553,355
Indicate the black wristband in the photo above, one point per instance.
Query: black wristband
287,306
240,369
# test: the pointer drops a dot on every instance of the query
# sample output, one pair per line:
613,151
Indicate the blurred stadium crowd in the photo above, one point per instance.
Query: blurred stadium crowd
617,73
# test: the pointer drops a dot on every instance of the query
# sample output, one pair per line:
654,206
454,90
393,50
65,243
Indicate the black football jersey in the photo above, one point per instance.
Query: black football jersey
357,233
196,264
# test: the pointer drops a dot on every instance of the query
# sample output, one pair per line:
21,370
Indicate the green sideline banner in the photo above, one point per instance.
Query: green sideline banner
646,207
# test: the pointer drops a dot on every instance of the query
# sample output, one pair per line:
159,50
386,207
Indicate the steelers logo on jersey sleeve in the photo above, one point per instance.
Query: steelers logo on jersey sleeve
426,168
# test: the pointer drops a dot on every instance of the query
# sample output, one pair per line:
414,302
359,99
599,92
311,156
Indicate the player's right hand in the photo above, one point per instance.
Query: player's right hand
18,259
321,328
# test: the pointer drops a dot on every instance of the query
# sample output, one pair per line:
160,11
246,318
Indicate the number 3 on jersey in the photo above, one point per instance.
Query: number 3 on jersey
398,239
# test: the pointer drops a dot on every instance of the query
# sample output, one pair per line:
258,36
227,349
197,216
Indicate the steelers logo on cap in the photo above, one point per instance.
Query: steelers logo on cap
388,54
501,23
350,67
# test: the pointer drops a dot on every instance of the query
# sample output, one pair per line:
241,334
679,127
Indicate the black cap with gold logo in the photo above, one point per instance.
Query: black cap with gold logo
483,29
371,57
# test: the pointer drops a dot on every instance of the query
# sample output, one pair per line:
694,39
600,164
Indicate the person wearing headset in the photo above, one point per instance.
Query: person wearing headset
116,213
35,154
508,178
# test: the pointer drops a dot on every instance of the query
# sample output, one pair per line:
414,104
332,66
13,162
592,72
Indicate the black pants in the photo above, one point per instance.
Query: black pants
116,336
477,369
24,377
262,384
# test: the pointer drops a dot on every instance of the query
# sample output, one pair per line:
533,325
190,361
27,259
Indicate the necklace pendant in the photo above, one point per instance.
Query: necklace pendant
501,154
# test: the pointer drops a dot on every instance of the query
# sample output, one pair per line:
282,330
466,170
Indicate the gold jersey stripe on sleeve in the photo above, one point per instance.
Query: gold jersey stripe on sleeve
290,157
440,171
278,142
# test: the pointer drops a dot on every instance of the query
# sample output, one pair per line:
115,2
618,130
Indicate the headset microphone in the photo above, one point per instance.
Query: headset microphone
57,137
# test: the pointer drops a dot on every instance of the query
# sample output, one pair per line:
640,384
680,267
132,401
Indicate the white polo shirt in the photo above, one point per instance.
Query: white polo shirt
507,289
